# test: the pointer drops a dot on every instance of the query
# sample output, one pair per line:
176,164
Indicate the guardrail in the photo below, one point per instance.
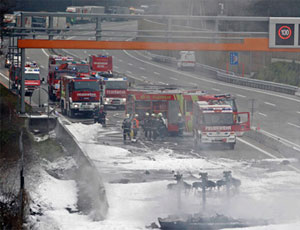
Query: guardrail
229,77
266,85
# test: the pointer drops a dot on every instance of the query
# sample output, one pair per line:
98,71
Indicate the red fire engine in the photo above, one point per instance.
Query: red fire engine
100,63
79,95
215,123
31,74
54,76
57,60
113,91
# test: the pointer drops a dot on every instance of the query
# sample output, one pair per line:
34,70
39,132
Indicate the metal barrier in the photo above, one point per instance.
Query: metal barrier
260,84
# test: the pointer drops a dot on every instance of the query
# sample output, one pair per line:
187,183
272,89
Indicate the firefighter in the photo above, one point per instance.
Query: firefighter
102,116
145,124
126,126
152,127
135,126
161,126
96,114
181,125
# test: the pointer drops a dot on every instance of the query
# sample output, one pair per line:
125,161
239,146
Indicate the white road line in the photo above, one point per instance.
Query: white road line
116,67
142,68
298,112
70,53
156,73
297,126
160,82
143,77
265,115
4,76
268,103
215,89
44,51
174,78
266,153
28,57
130,64
240,95
211,81
192,83
120,60
42,66
128,72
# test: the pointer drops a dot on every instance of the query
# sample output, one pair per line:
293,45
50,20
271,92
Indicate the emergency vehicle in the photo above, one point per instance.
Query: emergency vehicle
100,63
113,90
81,68
165,101
57,60
216,123
32,77
186,60
54,76
79,95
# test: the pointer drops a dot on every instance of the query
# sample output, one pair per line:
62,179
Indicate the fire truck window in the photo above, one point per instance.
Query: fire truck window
218,119
116,85
30,76
189,106
143,105
173,110
86,85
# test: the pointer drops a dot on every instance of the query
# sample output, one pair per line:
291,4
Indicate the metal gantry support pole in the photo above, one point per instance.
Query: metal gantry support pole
98,29
50,27
22,71
204,177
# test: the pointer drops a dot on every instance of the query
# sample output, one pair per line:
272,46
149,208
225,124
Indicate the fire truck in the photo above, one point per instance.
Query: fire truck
57,60
79,95
54,76
100,63
216,123
32,77
113,91
172,101
82,69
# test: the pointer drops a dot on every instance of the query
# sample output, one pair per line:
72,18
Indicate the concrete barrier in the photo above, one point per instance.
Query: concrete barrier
88,177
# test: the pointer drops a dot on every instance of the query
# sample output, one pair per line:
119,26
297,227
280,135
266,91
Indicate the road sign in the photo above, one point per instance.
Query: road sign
234,58
284,33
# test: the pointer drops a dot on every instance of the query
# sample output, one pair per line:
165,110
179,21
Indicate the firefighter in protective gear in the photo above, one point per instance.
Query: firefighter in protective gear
181,125
152,127
126,126
146,125
161,126
135,126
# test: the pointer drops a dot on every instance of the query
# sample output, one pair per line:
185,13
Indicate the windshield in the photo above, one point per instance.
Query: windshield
116,85
86,86
215,119
30,76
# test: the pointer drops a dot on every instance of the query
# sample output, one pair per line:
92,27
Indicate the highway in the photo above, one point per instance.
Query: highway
275,113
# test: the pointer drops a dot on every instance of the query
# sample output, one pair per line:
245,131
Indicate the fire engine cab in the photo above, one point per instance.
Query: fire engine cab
113,91
79,95
216,123
57,60
31,74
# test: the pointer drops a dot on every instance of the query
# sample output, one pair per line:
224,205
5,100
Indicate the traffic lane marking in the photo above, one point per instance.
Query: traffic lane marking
298,112
142,68
266,153
215,89
44,51
156,73
240,95
265,115
129,72
130,64
297,126
174,78
211,81
120,60
268,103
4,76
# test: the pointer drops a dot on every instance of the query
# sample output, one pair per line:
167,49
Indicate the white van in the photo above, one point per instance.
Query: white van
186,60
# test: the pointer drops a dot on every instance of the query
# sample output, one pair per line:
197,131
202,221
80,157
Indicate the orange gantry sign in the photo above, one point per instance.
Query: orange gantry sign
249,44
